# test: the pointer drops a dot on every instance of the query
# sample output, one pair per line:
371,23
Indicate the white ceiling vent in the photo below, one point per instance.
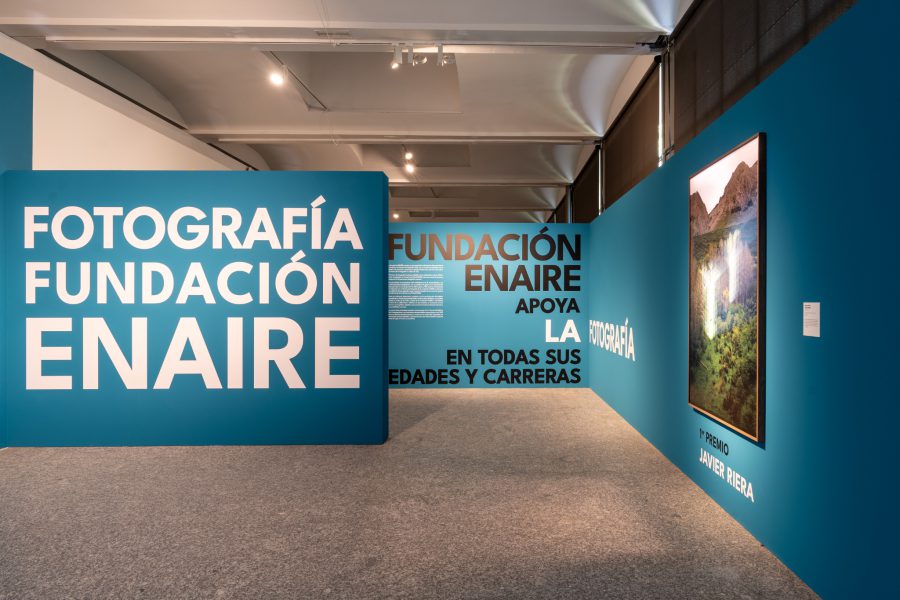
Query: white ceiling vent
333,33
456,214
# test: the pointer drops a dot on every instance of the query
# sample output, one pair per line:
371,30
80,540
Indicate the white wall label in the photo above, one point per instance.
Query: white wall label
811,319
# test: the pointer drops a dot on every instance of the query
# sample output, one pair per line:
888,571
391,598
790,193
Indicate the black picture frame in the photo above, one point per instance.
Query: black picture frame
729,412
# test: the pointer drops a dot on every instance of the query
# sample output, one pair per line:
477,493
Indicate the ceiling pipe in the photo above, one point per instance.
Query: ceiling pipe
123,43
511,183
309,98
311,138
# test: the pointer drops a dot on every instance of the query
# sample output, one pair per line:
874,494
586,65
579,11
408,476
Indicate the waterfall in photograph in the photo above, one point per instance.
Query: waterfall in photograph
732,250
710,276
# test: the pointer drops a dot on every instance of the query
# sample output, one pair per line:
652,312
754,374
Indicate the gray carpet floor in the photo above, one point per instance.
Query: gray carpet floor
478,494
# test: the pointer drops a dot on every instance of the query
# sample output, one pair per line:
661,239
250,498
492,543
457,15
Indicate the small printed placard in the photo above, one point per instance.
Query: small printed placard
811,319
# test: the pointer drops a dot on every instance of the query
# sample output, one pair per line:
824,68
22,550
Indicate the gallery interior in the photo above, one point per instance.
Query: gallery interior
506,299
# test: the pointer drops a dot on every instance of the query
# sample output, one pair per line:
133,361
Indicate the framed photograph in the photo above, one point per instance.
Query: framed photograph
727,289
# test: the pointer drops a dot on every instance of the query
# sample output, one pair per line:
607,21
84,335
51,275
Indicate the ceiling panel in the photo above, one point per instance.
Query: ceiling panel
364,82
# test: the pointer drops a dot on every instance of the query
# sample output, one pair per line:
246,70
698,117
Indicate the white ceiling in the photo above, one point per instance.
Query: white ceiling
498,134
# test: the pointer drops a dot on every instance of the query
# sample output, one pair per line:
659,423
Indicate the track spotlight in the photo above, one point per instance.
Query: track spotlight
414,59
410,168
277,78
396,215
408,155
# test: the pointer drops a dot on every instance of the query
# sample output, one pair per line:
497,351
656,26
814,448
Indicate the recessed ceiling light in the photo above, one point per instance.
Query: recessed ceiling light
410,168
408,155
276,78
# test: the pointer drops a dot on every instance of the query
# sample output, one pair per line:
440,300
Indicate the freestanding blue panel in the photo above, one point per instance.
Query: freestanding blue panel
195,308
16,107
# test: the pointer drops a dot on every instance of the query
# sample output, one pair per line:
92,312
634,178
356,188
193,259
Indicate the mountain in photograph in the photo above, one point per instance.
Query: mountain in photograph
737,204
738,201
699,216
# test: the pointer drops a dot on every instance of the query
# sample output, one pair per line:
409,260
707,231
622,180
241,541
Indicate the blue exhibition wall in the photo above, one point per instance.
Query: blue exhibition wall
16,106
821,476
484,305
195,308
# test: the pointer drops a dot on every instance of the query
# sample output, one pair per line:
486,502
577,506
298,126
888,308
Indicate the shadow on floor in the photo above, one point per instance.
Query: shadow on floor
405,415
